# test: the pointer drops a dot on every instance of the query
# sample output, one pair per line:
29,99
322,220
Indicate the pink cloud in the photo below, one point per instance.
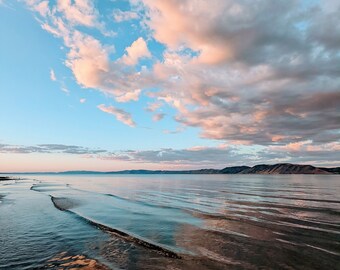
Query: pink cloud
136,51
79,12
120,114
88,60
177,23
154,106
307,146
129,96
42,8
158,117
231,74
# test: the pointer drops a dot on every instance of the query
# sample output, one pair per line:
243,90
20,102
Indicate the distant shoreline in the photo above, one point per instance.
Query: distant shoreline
281,168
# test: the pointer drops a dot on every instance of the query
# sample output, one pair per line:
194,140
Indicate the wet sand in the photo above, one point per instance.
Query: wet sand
69,261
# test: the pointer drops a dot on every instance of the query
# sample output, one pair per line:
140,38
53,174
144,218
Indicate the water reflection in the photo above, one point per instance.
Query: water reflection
178,221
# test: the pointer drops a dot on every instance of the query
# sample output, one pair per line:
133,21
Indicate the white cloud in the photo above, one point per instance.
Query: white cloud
52,75
82,100
65,90
122,16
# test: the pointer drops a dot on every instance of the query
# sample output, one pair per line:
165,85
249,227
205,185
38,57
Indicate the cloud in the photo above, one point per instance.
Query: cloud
89,59
65,90
82,100
231,30
304,152
238,78
63,87
79,12
199,155
52,75
220,157
253,72
321,154
182,156
179,129
40,6
129,96
122,16
120,114
49,149
136,51
158,117
154,106
307,146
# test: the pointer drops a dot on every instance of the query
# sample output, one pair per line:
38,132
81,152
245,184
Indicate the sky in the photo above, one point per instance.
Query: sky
172,84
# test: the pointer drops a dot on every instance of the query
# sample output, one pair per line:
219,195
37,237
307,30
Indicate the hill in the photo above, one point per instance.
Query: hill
285,168
281,168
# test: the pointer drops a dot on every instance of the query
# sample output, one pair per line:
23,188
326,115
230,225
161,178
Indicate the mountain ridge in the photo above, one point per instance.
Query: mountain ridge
280,168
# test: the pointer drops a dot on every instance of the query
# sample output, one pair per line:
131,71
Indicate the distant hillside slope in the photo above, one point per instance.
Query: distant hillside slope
234,170
332,170
285,168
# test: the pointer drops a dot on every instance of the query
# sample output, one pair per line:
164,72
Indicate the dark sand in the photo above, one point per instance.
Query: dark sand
8,178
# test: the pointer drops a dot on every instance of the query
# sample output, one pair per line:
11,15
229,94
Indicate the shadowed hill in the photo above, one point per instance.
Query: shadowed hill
234,170
285,168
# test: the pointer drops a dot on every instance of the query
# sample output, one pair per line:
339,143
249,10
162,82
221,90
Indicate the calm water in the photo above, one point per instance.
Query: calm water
170,222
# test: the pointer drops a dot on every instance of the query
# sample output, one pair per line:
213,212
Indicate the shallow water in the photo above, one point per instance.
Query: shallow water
170,222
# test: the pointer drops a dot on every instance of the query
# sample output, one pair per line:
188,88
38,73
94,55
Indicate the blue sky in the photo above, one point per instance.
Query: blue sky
152,85
43,110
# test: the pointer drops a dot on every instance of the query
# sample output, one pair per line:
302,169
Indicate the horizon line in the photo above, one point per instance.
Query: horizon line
163,170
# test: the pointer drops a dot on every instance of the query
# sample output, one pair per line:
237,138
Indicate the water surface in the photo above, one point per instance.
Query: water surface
170,222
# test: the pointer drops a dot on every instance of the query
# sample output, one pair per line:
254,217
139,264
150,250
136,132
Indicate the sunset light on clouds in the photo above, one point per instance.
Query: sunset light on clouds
171,84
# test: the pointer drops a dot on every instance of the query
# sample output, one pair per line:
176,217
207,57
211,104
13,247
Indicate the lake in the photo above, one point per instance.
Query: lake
170,222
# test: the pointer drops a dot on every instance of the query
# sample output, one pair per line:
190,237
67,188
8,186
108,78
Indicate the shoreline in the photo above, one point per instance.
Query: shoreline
263,169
